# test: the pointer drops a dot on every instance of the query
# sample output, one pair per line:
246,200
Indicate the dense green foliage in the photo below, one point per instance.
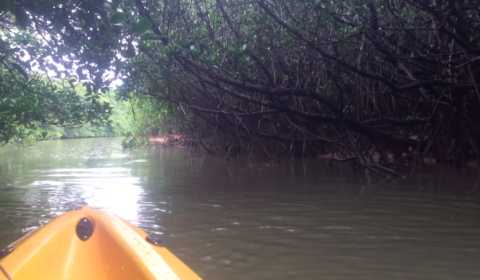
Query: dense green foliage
152,117
118,125
131,141
29,98
360,78
149,117
24,106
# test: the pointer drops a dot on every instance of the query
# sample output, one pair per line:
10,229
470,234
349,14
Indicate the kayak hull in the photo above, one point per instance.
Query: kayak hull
116,249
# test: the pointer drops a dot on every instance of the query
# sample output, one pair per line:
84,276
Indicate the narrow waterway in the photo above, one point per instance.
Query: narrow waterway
299,220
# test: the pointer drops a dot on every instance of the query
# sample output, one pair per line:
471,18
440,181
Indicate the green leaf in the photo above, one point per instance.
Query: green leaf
142,26
130,51
166,50
196,53
20,69
166,72
71,81
117,17
104,17
22,18
89,89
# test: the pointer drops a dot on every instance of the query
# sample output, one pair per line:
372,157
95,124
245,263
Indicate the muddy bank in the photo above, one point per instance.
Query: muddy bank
173,140
231,152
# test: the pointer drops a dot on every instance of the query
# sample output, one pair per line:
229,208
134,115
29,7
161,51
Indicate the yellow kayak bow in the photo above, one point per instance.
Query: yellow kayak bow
90,244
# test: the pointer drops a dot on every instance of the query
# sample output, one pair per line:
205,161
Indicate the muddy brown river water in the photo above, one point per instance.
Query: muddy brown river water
298,220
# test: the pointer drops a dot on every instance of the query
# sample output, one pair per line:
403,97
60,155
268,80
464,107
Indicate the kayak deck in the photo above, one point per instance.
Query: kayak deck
112,249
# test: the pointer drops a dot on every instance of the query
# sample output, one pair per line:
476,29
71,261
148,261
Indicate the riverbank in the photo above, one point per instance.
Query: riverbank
407,164
408,161
172,140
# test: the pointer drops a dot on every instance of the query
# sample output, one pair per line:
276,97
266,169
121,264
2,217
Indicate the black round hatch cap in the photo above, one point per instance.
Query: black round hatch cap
6,251
84,229
152,240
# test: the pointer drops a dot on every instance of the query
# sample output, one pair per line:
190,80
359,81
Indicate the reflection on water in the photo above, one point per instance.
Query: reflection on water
299,220
89,178
110,188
